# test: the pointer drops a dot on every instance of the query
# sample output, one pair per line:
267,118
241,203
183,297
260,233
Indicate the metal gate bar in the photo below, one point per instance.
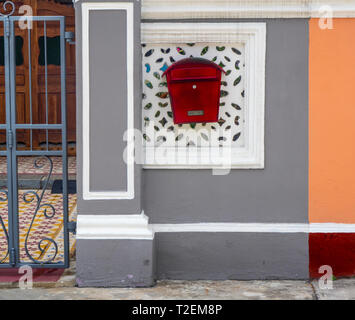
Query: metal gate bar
12,153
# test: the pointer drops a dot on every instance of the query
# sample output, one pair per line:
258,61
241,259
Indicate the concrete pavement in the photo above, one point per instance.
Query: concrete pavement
220,290
186,290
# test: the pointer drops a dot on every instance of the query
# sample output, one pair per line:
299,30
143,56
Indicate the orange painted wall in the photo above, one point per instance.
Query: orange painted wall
332,122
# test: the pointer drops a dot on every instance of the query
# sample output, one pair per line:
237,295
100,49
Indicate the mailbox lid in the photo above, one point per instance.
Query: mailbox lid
190,74
193,69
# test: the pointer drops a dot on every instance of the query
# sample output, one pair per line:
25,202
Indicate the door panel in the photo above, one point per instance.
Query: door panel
34,220
31,76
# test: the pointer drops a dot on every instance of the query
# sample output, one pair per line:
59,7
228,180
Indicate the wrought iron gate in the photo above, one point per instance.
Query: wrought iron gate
28,211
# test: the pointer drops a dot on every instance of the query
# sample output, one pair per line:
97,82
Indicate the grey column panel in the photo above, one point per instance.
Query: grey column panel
108,99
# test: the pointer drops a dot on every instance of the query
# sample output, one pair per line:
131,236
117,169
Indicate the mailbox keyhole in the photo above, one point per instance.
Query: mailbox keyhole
194,86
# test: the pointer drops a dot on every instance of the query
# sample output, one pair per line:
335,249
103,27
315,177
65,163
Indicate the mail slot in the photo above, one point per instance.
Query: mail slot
194,86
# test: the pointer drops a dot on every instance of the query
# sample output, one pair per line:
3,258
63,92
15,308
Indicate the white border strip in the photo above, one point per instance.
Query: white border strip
233,227
202,9
257,227
105,195
332,228
134,226
137,227
199,9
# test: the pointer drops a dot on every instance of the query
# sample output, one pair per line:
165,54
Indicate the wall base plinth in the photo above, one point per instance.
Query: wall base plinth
115,263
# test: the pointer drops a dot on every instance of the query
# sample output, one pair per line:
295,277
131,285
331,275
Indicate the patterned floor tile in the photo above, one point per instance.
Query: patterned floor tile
46,237
26,166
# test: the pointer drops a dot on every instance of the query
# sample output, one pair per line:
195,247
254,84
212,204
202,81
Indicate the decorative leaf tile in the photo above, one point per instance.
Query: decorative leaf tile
164,67
236,51
148,84
156,103
236,81
220,48
180,50
163,105
165,50
148,106
204,51
149,53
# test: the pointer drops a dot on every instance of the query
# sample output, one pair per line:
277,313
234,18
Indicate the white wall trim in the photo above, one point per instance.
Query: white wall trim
137,227
253,36
257,227
232,227
202,9
114,227
332,228
129,192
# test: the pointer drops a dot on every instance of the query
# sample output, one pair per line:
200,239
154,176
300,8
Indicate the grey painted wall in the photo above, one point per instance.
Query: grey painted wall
108,109
115,263
278,193
222,256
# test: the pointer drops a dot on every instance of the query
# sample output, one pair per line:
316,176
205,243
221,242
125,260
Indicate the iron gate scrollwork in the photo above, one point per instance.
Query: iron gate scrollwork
19,230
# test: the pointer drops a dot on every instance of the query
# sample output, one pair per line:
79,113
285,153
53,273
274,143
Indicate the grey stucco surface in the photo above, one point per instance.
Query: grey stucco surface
115,263
278,193
231,256
107,91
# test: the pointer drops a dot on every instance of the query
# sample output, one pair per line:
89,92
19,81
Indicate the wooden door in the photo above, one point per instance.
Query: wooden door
50,8
32,80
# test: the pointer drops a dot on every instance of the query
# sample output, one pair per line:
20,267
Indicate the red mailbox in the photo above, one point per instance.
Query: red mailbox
194,86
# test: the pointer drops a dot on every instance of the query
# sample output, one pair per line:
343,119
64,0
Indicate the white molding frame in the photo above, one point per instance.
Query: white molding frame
253,36
134,226
106,195
224,9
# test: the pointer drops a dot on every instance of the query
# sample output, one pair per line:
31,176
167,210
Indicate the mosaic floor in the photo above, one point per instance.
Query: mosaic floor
43,227
26,167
